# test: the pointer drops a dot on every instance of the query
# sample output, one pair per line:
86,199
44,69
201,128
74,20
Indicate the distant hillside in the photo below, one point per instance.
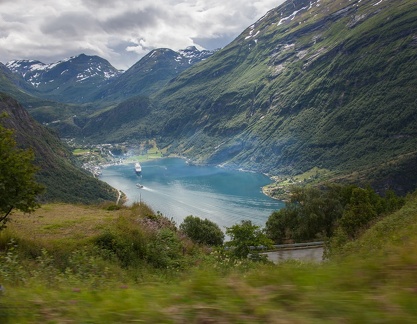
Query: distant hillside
70,80
13,84
84,78
63,180
151,73
64,117
121,123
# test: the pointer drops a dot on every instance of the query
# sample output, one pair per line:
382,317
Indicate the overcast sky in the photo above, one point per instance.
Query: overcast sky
121,31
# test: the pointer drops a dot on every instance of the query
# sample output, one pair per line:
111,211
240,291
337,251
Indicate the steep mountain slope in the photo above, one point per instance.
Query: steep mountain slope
128,121
313,83
13,84
70,80
151,73
66,118
63,180
83,78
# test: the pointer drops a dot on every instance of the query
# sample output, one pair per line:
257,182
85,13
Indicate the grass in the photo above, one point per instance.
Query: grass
372,281
81,151
281,186
145,157
62,221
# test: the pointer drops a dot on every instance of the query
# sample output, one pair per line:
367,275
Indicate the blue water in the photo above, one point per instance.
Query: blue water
177,189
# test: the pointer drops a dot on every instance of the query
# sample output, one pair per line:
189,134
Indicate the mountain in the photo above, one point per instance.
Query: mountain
83,78
151,73
63,180
13,84
70,80
326,84
65,118
121,123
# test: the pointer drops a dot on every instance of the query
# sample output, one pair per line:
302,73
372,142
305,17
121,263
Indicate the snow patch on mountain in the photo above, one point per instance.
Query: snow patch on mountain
194,55
295,12
80,68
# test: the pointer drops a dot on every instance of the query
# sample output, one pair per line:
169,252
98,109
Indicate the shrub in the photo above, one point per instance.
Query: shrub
245,235
202,231
165,250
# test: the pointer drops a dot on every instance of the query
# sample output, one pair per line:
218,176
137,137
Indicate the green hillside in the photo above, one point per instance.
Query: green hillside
58,171
100,265
120,123
145,77
322,84
331,88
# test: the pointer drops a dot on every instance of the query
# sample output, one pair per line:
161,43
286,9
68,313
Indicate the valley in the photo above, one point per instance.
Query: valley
315,101
300,95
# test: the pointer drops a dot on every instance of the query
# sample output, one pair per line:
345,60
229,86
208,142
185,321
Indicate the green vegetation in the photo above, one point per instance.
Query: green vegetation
18,188
202,231
58,171
80,151
315,214
328,95
281,187
243,236
128,264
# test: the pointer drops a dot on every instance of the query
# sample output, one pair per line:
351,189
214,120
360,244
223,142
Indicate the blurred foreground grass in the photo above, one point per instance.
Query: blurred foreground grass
52,271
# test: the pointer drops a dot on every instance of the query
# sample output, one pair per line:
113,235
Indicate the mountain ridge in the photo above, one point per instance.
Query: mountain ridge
306,92
84,78
69,80
64,181
325,84
151,73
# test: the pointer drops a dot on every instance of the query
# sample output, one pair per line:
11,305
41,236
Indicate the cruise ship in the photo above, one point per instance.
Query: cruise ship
138,168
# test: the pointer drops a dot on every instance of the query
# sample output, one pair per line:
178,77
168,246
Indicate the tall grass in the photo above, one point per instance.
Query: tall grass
373,281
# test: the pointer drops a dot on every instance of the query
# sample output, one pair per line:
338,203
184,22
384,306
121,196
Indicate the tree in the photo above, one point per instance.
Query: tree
245,235
358,212
282,223
18,187
202,231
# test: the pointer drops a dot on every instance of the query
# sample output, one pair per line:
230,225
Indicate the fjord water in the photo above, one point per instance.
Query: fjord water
177,189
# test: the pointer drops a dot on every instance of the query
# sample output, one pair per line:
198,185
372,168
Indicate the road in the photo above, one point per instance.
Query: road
305,254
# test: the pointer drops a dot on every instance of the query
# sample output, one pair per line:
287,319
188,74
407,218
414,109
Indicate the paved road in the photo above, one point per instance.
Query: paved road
306,254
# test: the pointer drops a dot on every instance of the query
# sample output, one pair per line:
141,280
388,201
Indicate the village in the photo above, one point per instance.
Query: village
93,157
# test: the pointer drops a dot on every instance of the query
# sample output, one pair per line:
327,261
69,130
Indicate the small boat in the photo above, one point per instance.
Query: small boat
138,168
139,185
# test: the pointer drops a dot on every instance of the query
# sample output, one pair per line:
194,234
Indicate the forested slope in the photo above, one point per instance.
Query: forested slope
63,180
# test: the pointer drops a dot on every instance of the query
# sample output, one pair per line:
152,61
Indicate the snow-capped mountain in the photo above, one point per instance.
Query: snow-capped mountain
151,73
81,67
67,80
194,55
86,78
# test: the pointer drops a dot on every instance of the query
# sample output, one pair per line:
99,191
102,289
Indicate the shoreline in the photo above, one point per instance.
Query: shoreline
141,158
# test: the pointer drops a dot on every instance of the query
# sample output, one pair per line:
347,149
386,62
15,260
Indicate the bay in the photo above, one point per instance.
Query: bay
177,189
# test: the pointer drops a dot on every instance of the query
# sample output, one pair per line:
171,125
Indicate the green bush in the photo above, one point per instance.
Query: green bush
127,245
245,238
165,250
202,231
314,213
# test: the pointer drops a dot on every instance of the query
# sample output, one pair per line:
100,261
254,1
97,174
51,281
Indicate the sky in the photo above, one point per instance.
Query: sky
121,31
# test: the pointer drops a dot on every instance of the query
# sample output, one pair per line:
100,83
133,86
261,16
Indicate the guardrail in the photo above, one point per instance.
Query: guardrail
288,246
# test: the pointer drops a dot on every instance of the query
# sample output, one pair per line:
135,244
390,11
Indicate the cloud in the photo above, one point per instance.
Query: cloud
121,31
133,20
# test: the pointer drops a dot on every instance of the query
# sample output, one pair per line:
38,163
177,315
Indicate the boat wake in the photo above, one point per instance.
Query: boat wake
148,189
